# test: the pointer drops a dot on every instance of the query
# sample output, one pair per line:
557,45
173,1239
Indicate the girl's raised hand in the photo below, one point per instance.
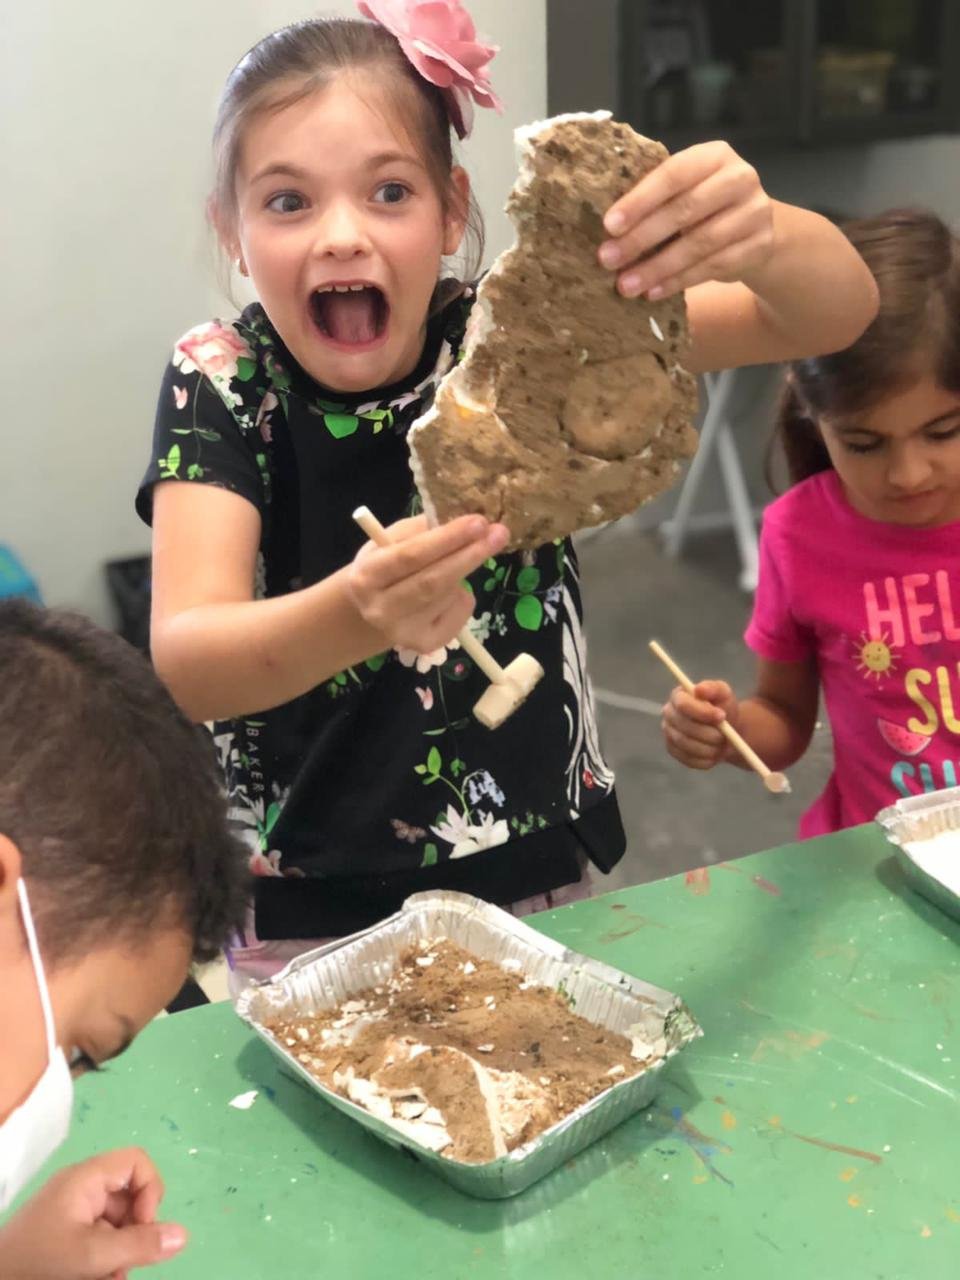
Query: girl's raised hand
690,724
701,215
412,592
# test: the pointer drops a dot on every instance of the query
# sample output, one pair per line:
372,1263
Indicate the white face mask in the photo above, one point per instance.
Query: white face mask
41,1123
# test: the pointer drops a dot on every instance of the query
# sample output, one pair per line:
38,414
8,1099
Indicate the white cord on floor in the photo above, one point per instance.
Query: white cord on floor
627,702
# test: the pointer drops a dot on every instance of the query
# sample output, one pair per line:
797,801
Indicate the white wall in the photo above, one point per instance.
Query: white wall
864,180
106,110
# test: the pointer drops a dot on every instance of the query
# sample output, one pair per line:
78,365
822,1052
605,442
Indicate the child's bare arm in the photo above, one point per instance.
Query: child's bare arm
224,654
812,295
764,281
777,720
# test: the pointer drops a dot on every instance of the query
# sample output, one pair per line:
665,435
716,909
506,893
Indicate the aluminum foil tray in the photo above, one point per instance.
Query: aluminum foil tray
325,977
912,821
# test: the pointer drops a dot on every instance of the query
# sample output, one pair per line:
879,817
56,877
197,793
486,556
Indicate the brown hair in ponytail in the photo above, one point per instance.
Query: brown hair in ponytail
915,259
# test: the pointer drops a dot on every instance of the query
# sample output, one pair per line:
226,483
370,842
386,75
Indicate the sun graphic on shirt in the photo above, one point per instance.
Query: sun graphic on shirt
876,658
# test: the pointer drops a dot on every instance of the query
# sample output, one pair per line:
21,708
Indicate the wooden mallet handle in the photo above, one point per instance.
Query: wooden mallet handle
492,669
775,782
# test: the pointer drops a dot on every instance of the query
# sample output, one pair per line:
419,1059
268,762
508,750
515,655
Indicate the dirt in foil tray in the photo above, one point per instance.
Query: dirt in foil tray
464,1056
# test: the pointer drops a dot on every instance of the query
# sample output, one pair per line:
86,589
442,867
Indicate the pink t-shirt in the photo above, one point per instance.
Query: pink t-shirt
878,607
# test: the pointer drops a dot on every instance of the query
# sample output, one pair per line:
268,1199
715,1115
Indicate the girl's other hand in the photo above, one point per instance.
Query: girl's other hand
412,592
701,215
691,723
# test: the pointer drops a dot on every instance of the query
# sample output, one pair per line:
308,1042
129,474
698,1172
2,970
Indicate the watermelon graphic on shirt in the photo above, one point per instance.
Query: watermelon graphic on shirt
902,740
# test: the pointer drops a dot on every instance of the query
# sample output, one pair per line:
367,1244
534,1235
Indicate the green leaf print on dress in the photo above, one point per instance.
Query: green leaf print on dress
528,612
497,575
380,418
528,579
529,822
269,822
341,682
170,465
341,425
525,592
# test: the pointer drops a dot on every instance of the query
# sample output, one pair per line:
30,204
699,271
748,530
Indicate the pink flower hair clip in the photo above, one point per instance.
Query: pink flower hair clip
439,38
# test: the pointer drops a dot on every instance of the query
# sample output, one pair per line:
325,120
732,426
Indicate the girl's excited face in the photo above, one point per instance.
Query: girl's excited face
342,231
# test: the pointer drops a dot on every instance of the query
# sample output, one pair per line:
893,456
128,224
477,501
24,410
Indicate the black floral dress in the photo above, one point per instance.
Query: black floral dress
380,782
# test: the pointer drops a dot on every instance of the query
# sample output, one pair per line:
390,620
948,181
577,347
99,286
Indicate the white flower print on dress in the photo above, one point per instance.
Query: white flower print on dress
425,662
470,837
180,397
480,627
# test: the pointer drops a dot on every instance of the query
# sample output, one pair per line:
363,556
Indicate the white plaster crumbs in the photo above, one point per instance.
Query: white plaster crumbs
244,1101
646,1040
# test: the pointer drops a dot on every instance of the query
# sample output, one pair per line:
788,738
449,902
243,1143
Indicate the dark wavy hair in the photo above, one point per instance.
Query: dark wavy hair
112,797
915,258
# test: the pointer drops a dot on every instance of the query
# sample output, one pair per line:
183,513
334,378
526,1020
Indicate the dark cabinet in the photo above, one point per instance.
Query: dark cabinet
760,72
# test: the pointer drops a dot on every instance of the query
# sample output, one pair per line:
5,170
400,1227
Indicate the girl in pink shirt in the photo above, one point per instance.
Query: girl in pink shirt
859,592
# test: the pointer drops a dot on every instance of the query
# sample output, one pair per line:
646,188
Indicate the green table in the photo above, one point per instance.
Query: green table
814,1132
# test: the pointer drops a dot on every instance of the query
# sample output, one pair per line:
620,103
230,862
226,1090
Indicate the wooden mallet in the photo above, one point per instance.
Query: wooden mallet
510,686
778,783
